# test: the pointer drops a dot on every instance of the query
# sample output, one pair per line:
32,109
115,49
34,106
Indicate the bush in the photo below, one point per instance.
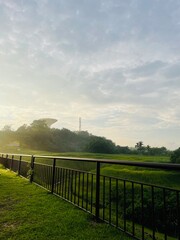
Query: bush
175,156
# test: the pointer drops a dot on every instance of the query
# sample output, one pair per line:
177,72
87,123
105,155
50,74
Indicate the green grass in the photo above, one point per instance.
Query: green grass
129,157
158,177
29,212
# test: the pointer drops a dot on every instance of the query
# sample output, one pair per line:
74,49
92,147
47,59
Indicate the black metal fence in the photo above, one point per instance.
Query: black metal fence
143,211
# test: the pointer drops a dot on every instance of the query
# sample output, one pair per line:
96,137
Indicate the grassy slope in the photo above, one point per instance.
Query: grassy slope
29,212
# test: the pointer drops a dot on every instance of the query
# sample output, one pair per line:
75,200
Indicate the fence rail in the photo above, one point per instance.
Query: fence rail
142,210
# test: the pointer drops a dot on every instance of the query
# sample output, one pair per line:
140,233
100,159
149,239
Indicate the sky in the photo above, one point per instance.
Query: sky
115,64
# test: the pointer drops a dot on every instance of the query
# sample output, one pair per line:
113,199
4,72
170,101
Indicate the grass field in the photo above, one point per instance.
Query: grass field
129,157
151,176
29,212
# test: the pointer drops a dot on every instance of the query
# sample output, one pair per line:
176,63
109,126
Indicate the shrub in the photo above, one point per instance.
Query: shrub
175,156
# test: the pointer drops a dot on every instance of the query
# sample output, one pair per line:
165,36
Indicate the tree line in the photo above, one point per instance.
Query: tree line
38,136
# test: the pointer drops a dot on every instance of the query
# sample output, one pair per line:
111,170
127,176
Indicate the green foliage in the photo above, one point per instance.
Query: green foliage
151,176
38,136
175,156
171,208
100,145
7,135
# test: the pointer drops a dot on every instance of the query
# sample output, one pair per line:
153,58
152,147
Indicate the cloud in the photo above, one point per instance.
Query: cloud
115,64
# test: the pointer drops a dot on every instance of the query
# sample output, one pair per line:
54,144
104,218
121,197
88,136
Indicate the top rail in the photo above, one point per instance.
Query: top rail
16,154
166,166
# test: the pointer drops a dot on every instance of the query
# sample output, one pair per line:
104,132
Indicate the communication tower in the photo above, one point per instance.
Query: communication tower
80,124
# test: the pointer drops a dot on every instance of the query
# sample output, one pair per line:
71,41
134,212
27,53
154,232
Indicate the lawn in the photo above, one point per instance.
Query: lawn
29,212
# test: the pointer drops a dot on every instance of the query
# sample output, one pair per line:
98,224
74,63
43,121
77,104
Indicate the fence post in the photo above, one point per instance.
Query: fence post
2,156
32,168
53,175
11,162
97,189
6,161
19,166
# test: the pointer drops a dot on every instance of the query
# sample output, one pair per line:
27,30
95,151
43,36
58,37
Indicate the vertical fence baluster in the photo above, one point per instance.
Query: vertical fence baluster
19,165
97,189
72,182
153,217
44,176
32,169
69,183
53,175
178,215
48,177
55,180
110,200
104,197
133,227
63,182
165,215
7,165
79,187
91,192
83,191
142,210
11,166
117,201
87,186
75,183
124,205
60,187
58,180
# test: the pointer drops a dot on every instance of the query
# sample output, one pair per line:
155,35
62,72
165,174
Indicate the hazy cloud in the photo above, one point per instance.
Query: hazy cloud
114,63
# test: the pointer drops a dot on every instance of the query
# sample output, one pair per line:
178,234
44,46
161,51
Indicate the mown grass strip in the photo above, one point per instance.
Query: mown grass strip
29,212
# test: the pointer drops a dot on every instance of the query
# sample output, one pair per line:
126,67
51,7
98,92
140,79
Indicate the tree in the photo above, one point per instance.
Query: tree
175,156
7,128
7,136
148,147
36,136
123,150
100,145
22,135
39,125
139,145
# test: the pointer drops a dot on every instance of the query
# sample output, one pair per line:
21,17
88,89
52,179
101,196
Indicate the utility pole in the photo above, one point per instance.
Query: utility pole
80,124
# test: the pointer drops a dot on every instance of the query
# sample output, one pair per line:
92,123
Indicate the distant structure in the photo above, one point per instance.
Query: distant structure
49,121
80,124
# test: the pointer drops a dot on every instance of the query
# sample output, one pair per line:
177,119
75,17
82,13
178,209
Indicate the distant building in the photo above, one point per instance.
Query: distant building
49,121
